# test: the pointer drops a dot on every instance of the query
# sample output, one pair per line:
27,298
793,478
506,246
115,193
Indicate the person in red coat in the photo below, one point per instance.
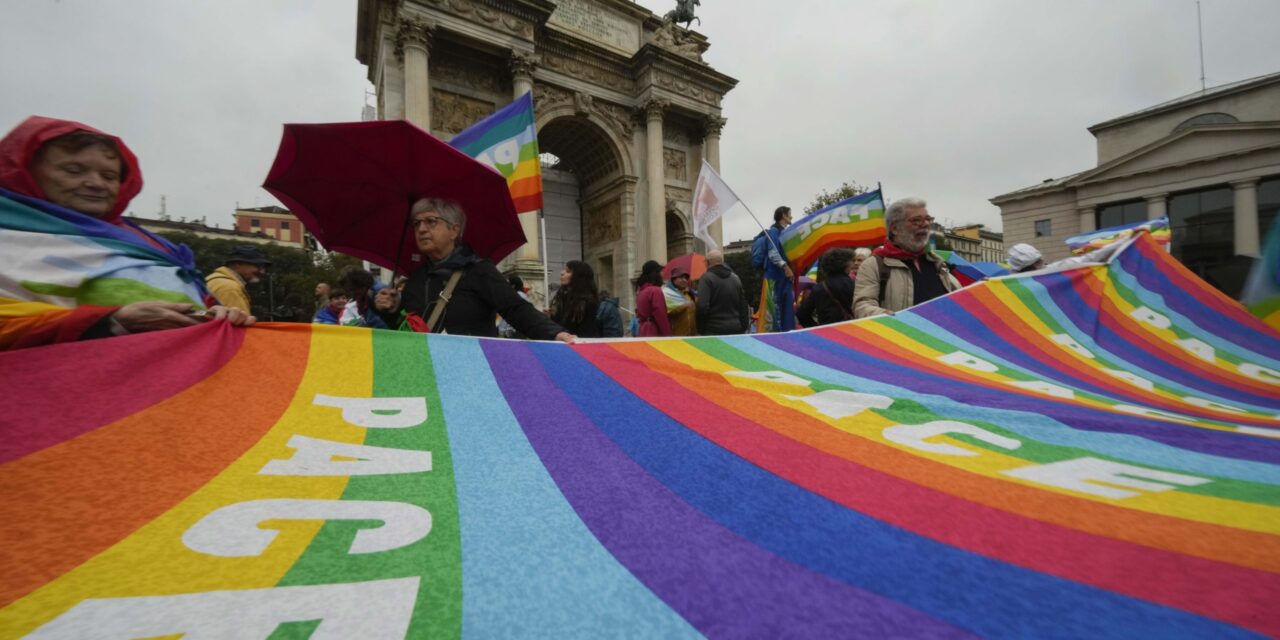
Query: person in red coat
651,304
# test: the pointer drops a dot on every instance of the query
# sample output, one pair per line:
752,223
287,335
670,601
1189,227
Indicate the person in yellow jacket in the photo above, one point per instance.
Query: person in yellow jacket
244,265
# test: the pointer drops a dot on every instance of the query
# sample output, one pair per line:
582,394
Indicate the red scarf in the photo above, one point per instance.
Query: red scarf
891,250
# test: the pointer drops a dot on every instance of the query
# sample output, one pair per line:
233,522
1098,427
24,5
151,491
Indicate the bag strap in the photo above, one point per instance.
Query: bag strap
438,311
843,311
884,278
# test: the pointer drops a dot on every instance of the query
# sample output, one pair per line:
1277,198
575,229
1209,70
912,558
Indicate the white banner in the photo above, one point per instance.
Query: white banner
711,198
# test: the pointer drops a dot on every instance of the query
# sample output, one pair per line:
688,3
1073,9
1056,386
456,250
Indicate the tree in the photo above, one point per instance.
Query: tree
828,198
292,278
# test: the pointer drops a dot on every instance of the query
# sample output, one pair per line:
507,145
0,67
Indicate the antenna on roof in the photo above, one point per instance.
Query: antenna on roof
1200,31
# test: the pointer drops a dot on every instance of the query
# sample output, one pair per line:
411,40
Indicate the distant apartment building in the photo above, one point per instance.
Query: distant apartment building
199,228
274,222
981,245
1210,161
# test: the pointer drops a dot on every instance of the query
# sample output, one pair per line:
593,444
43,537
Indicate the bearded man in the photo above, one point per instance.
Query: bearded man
905,272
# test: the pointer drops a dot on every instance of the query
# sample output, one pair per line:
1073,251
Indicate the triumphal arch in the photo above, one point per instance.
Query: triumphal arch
625,106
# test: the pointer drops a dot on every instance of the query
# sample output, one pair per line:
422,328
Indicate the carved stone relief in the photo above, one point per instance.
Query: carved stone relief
676,164
475,10
585,71
452,113
603,223
686,88
677,195
547,97
675,134
676,40
463,71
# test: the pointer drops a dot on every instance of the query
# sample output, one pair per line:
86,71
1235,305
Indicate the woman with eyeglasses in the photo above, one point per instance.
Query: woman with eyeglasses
905,272
480,293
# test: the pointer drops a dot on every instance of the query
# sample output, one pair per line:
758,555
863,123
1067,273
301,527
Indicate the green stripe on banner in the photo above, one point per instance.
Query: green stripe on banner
402,368
529,151
501,131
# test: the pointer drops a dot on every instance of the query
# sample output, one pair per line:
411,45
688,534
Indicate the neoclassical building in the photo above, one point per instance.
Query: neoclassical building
1209,160
623,101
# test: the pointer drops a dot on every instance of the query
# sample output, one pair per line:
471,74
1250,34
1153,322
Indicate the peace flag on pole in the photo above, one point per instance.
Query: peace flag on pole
711,199
508,142
852,222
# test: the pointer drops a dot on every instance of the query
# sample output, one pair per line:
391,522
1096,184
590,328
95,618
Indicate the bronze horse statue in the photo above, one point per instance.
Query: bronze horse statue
683,13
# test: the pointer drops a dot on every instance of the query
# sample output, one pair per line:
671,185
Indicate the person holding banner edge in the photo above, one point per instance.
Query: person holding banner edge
778,271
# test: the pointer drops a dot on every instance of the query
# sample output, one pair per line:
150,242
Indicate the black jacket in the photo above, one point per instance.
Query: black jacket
481,294
829,301
722,307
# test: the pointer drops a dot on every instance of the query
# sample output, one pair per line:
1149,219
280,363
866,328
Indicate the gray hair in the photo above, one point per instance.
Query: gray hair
715,256
447,209
862,252
897,212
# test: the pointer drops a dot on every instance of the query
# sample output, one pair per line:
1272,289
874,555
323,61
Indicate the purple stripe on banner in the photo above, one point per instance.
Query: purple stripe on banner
723,584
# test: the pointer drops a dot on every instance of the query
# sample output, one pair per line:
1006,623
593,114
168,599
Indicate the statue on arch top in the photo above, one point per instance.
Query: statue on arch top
683,13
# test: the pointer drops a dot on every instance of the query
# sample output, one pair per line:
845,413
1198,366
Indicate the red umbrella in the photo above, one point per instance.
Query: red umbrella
352,183
694,263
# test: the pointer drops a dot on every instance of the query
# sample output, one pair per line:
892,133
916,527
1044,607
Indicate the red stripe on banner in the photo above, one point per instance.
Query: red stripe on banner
798,452
73,389
90,492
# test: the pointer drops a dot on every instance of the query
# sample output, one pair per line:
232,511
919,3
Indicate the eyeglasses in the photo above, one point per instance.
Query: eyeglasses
430,222
920,221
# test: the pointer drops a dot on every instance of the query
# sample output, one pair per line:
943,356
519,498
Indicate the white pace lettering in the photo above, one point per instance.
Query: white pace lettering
1148,316
1212,404
835,403
1070,343
1259,373
915,436
1041,386
315,457
962,359
1198,348
1082,474
378,413
781,377
1132,378
375,609
1257,431
233,531
1153,413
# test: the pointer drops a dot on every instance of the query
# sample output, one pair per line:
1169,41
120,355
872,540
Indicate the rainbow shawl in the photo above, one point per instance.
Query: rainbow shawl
57,257
1094,240
1081,453
852,222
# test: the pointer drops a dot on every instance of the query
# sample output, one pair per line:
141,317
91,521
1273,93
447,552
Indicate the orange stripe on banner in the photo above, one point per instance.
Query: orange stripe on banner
108,483
1243,548
526,187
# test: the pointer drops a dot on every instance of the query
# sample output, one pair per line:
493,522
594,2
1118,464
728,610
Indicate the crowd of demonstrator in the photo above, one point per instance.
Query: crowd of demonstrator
75,175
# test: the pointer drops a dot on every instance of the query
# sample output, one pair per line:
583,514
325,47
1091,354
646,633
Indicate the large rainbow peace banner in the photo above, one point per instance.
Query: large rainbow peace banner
1084,453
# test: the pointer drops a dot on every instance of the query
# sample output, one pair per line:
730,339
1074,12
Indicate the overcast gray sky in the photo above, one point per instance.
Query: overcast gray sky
952,101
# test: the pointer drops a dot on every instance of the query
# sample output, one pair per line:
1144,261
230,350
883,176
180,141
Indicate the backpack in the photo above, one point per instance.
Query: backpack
760,251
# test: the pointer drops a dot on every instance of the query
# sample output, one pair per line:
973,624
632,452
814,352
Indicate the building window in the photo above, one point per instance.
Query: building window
254,222
1203,226
1268,204
1044,228
1114,215
284,225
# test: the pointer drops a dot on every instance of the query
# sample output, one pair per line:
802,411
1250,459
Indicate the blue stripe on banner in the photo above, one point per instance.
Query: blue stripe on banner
968,590
524,549
1031,425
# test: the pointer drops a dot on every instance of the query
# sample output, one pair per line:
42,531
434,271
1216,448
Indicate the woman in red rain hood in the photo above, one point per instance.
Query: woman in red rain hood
65,172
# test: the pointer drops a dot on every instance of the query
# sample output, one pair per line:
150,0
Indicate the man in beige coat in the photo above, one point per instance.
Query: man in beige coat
245,264
911,273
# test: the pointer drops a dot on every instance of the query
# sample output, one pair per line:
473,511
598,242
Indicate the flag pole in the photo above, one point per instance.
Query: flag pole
546,268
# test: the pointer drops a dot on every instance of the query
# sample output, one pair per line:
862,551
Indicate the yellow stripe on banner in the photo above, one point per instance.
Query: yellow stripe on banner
871,425
525,169
15,308
154,560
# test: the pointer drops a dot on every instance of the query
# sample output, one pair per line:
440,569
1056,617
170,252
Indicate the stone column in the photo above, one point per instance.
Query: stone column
413,46
522,67
656,175
1088,220
712,126
1246,217
1157,206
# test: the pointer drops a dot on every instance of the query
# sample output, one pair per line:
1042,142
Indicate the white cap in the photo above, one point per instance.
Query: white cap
1022,255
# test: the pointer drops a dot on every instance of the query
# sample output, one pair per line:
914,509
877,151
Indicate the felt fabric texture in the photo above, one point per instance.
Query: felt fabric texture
1082,453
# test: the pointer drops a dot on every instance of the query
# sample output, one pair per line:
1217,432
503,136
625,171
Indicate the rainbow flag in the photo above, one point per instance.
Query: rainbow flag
853,222
1094,240
508,142
1083,453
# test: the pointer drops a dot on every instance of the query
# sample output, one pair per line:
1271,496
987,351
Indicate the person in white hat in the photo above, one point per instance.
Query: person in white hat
1024,257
